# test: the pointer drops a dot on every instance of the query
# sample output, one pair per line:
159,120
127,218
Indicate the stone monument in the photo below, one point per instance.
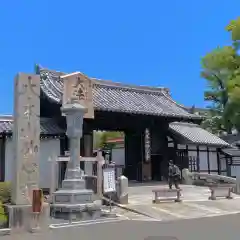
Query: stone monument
26,143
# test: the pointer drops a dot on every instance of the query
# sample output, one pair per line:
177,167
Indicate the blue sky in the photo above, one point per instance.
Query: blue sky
156,43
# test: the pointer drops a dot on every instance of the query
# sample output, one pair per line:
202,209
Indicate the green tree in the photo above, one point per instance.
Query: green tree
234,87
234,28
221,69
101,138
97,135
218,69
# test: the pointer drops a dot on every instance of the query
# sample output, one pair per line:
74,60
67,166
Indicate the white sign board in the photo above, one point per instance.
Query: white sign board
109,182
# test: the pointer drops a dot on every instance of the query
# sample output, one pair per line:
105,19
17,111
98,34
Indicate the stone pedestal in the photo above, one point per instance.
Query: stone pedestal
187,178
76,202
123,190
237,189
21,218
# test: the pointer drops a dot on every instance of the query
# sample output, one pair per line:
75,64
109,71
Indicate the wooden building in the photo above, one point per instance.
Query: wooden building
156,129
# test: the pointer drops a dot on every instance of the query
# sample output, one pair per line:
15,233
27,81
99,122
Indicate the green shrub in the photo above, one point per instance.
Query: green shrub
3,217
5,192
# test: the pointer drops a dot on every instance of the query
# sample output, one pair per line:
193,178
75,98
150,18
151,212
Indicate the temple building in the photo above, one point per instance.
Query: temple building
156,130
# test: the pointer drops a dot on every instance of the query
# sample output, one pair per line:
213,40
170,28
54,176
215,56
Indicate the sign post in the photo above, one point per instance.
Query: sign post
109,182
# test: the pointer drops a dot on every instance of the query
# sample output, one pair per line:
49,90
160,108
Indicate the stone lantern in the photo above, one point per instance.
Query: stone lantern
73,197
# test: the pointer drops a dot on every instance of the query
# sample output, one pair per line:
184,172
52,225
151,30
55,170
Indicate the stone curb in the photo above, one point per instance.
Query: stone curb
128,208
5,231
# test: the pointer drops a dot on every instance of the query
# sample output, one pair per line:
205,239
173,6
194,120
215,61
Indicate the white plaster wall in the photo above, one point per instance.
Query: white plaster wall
118,156
213,160
88,168
8,159
203,163
48,148
235,170
192,147
223,164
181,146
192,154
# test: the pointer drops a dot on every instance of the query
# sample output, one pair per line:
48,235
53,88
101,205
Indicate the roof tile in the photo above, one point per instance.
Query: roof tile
195,134
232,152
115,97
47,126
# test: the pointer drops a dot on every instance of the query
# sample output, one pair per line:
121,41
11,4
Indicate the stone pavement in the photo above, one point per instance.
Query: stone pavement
216,228
141,193
195,204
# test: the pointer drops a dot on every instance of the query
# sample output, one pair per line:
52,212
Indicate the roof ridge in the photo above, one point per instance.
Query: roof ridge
186,124
110,83
5,118
180,105
158,102
10,118
129,87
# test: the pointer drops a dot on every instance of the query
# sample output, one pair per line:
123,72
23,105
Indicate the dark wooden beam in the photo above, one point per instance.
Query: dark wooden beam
208,160
218,162
198,159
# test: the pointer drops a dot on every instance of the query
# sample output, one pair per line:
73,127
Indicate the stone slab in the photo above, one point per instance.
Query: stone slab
21,218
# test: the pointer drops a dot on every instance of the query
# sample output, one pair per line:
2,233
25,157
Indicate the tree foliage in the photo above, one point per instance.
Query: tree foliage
221,69
101,138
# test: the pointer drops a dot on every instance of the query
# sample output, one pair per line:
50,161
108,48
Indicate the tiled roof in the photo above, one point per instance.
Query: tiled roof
232,152
192,133
117,97
47,126
233,139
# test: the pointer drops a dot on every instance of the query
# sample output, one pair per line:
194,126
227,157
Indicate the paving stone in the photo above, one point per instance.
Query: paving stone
226,205
195,204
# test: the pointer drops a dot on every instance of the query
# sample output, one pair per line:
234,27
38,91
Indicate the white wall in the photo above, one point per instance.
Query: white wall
118,157
203,162
203,156
235,170
213,160
8,159
48,147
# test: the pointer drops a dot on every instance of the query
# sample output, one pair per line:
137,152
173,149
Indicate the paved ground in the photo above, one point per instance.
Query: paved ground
209,219
195,204
216,228
143,193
